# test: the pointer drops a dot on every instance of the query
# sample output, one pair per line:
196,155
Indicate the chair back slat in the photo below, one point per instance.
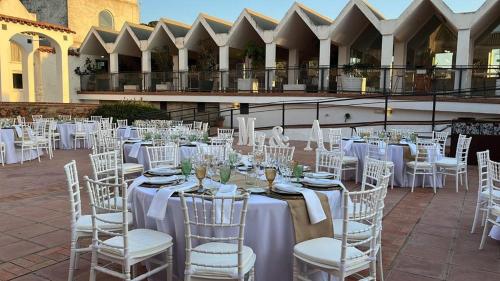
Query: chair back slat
163,156
329,161
73,187
482,165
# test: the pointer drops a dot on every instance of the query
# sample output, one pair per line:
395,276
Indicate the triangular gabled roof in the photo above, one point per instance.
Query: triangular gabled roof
261,24
317,23
104,37
136,32
413,16
173,29
484,17
215,27
368,11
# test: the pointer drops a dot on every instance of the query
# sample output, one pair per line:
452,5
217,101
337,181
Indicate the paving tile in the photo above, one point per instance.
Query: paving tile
52,239
429,241
59,271
31,230
397,275
433,254
7,239
477,261
458,273
420,266
18,249
30,277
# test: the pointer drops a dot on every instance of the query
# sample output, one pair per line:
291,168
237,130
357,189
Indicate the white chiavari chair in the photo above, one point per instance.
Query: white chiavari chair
335,141
27,142
176,123
219,152
159,141
55,136
424,163
122,123
483,191
125,247
335,131
105,169
197,125
81,225
221,256
355,250
2,152
163,156
21,120
36,117
378,148
124,169
221,141
456,166
440,138
259,141
373,169
205,127
329,161
364,132
96,118
79,135
42,137
64,117
493,207
275,154
225,133
349,163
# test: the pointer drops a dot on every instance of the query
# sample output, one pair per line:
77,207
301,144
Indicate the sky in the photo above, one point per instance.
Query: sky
187,10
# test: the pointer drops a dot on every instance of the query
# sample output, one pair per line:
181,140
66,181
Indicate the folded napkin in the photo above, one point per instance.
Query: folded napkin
245,161
19,131
134,151
137,182
318,181
224,190
158,207
128,129
347,145
314,207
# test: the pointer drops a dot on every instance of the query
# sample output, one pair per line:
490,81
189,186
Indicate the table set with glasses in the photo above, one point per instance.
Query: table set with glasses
82,130
270,229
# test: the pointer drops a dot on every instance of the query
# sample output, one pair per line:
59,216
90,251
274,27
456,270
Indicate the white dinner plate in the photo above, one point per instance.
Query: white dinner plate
161,180
163,171
319,175
256,190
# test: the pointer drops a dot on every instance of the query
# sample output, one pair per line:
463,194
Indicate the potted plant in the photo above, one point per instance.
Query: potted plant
163,62
347,117
353,80
255,57
207,62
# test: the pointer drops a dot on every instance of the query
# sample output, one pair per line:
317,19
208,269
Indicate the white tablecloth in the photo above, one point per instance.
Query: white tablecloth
142,157
396,155
66,131
269,230
121,133
13,153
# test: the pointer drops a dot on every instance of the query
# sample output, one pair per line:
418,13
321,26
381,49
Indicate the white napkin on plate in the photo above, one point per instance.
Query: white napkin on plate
19,131
322,182
128,129
134,151
158,207
313,204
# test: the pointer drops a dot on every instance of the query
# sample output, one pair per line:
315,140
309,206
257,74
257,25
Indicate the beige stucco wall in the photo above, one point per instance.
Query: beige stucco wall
82,15
14,8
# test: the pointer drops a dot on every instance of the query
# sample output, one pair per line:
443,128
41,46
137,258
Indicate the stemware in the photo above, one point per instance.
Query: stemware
201,173
298,170
270,173
225,173
186,167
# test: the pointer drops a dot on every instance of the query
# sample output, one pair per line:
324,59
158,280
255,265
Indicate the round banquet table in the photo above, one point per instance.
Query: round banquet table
12,153
121,133
142,157
396,155
66,131
269,230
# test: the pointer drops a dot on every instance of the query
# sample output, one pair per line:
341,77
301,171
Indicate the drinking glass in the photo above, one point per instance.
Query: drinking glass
225,173
233,158
270,176
186,167
201,173
298,170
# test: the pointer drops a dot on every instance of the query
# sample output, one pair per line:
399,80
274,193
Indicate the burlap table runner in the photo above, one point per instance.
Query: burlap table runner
303,228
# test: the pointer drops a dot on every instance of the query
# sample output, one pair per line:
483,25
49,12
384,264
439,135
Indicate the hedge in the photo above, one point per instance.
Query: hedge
130,110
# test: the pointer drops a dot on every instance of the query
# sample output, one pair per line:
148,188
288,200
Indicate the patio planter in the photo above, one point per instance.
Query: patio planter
206,85
294,87
130,88
248,85
353,84
165,86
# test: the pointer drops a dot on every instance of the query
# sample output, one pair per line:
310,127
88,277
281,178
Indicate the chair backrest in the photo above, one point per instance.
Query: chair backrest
494,183
362,207
36,117
101,201
163,156
364,132
377,148
205,127
79,128
105,166
462,152
218,152
440,138
122,123
73,186
259,141
335,131
197,125
335,141
209,218
96,118
426,151
225,133
373,169
329,161
275,154
64,117
482,165
21,120
221,141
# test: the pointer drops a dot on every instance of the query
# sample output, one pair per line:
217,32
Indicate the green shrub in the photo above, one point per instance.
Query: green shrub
130,110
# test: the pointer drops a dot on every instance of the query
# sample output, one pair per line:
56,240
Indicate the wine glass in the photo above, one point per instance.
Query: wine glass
233,158
186,167
298,170
270,173
225,173
201,173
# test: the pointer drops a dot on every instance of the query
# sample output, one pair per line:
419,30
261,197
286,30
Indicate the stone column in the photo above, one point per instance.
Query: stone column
293,63
183,68
146,70
5,73
386,61
62,66
175,73
464,56
29,75
113,71
325,46
270,65
223,67
399,72
344,59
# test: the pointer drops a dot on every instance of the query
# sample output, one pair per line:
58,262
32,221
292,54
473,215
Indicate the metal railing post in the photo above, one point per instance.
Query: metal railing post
384,91
317,111
194,114
433,111
283,117
232,118
460,81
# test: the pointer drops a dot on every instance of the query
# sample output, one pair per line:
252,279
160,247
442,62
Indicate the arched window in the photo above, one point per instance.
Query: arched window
106,19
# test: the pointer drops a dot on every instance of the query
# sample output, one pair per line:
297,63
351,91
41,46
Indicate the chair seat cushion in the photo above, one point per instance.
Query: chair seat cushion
486,193
141,243
496,211
79,134
84,223
355,230
349,159
411,164
447,162
131,168
220,259
327,251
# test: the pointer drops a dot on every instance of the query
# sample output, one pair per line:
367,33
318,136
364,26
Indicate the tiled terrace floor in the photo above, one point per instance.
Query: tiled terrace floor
426,236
